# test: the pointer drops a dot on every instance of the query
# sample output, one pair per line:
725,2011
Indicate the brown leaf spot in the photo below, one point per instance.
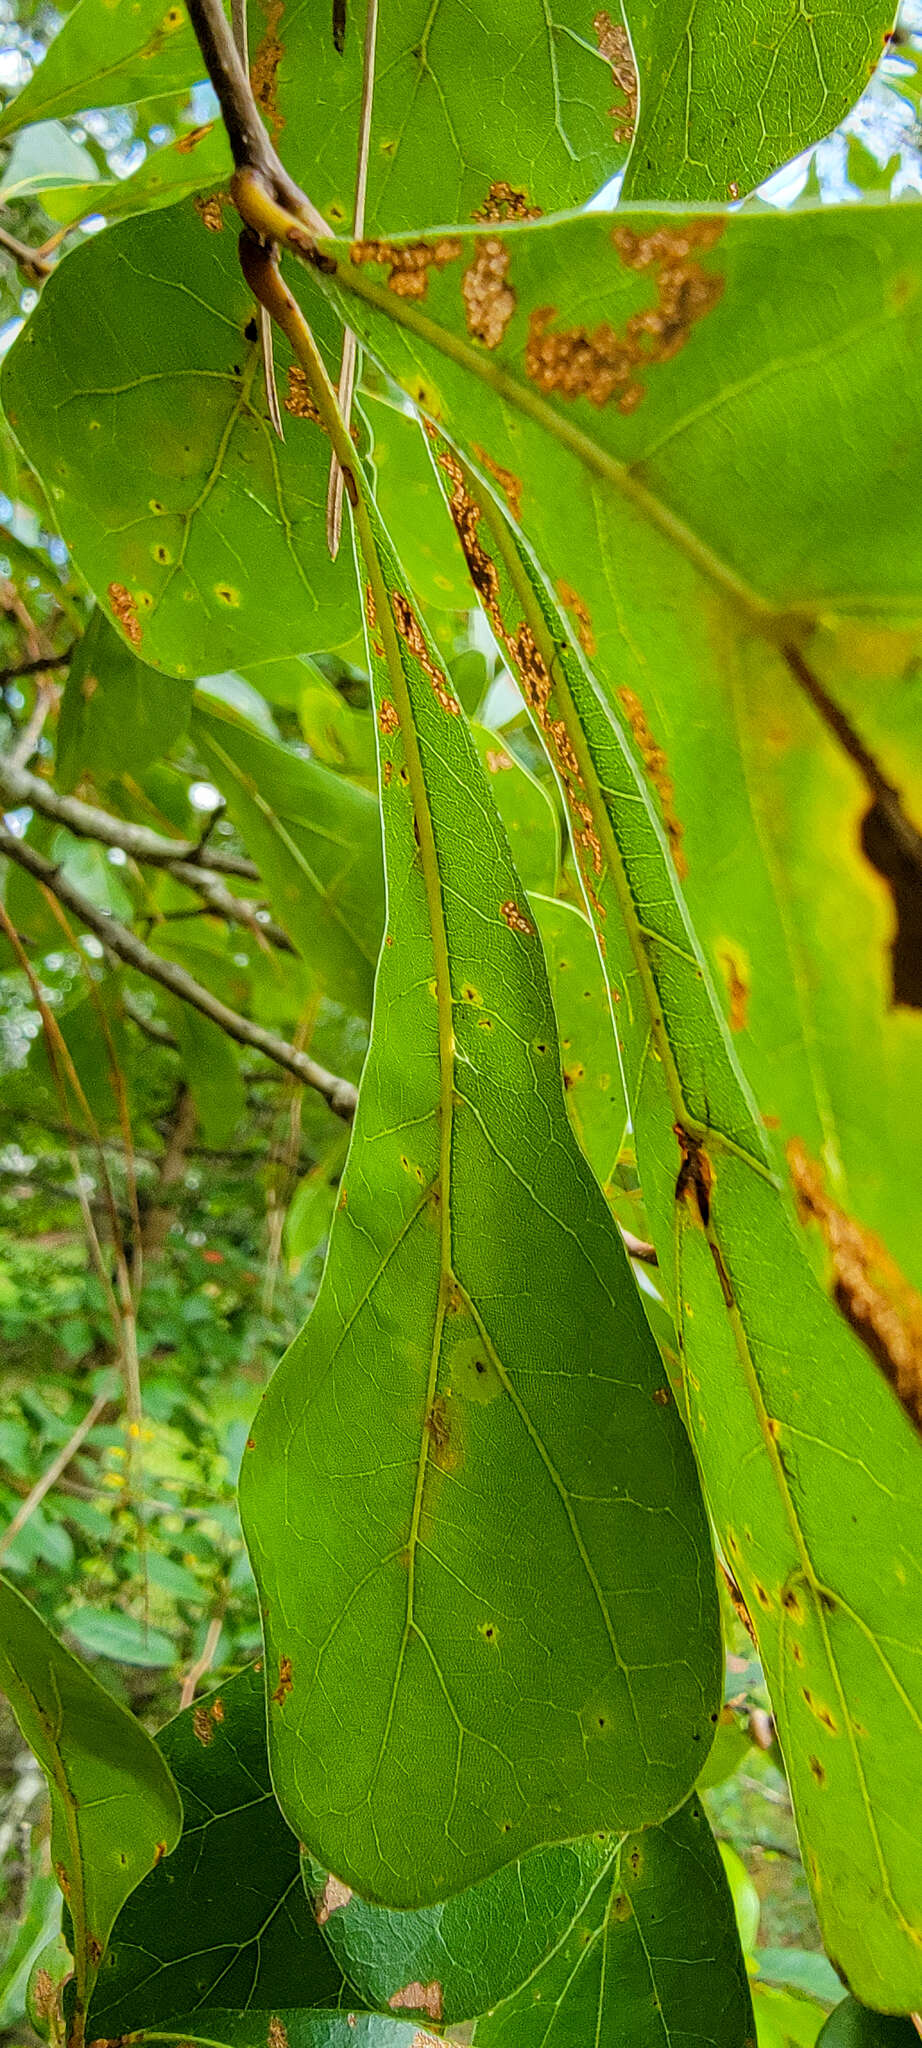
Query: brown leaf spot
63,1879
94,1948
202,1726
817,1770
211,210
44,1996
410,630
187,143
498,760
217,1711
734,966
298,400
506,202
438,1430
277,2036
509,483
371,609
614,46
579,611
159,1853
334,1896
868,1287
408,264
418,1997
821,1711
285,1683
695,1180
489,302
264,77
657,767
89,687
516,919
388,717
661,1396
598,363
123,607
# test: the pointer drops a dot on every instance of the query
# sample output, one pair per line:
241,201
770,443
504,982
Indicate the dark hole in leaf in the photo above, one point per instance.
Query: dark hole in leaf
897,857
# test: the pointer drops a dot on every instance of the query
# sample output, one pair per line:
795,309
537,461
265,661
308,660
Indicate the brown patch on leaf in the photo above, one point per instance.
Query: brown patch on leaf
506,202
409,628
695,1179
868,1287
298,400
285,1683
334,1896
438,1430
489,302
408,264
573,603
516,919
211,210
614,45
123,607
509,483
44,1995
94,1949
734,966
277,2036
265,65
203,1726
417,1997
371,610
217,1711
388,717
599,363
187,143
657,767
498,760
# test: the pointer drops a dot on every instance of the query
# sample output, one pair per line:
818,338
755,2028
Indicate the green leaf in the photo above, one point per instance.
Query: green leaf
46,157
686,488
803,1970
473,108
116,714
747,1905
728,94
296,2027
105,56
210,1066
467,1953
651,1956
855,2026
315,838
527,812
145,338
115,1810
310,1211
102,1633
226,1927
783,2021
197,160
589,1055
517,1692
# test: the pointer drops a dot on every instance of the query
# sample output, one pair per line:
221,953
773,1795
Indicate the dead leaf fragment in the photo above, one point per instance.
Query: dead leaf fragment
614,45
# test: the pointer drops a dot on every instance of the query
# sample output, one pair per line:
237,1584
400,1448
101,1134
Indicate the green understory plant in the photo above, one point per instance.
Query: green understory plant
599,971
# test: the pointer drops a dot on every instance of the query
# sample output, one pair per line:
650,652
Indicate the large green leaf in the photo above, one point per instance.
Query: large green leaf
225,1926
728,93
469,1450
116,713
451,1961
854,2026
651,1956
831,1589
315,838
108,56
145,339
115,1810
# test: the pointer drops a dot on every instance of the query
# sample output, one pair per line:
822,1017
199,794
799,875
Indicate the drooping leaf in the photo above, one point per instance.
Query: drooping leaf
477,1320
651,1956
451,1961
225,1926
855,2026
181,548
104,56
115,1810
777,1404
116,713
316,839
728,94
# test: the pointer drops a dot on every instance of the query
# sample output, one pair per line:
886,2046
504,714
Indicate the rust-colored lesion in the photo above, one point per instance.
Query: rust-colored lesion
417,1997
734,967
579,612
203,1726
657,766
874,1296
264,68
408,263
371,609
411,633
388,717
277,2035
124,612
509,483
187,143
438,1430
615,46
210,210
285,1683
601,363
506,202
516,919
297,399
489,300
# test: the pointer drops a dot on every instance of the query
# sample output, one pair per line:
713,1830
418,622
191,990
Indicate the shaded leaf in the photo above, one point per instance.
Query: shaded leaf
855,2026
527,812
109,1633
588,1053
116,713
115,1810
517,1696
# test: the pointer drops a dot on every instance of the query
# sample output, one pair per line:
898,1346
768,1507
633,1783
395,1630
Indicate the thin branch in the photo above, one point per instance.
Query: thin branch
203,1663
638,1248
350,345
31,260
27,739
120,940
87,821
53,1472
151,1026
19,669
233,908
250,145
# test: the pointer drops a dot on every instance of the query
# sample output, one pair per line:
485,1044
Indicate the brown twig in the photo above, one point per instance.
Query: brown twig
20,669
52,1472
150,849
339,1094
203,1663
350,345
638,1248
30,260
250,146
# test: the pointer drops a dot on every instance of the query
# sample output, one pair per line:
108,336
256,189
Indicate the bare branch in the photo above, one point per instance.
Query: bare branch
120,940
233,908
152,849
638,1248
52,1472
